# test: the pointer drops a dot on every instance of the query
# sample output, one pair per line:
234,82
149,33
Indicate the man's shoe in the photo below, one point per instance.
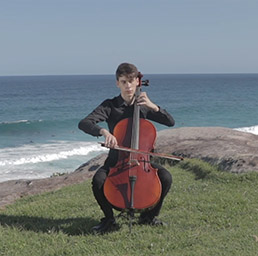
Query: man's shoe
152,221
105,225
158,222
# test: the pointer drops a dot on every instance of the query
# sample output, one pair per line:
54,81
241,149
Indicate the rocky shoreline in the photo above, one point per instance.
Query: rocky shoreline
231,150
12,190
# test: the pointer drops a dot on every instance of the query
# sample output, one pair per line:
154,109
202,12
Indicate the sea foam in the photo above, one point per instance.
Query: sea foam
37,153
250,129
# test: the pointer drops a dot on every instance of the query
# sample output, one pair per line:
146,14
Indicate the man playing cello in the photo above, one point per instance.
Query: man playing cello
112,111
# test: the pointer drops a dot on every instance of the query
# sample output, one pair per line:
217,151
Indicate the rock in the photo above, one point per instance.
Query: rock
231,150
93,164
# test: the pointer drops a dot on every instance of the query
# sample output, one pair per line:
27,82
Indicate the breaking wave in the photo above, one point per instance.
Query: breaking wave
250,129
37,153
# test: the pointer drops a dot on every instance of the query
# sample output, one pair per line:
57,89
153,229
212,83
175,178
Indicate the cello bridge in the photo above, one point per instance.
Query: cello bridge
134,162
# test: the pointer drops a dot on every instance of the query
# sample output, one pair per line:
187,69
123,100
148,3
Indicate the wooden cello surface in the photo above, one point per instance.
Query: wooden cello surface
146,189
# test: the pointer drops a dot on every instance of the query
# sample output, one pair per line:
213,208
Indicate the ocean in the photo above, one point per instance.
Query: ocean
39,115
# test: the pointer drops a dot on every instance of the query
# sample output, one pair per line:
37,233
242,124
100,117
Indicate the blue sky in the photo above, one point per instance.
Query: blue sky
48,37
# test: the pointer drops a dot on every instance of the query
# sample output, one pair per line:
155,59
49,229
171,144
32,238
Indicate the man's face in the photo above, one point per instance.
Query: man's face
128,87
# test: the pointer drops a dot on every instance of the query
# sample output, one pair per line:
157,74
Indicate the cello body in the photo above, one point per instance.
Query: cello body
147,189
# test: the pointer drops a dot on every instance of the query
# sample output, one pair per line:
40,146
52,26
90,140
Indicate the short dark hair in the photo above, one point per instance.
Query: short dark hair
126,69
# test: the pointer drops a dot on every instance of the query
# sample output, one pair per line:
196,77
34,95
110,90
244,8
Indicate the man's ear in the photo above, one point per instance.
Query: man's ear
117,83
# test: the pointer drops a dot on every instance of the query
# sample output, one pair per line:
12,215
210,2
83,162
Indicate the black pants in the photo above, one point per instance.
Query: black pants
100,177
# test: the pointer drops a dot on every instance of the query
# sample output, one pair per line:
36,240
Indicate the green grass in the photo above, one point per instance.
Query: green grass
209,213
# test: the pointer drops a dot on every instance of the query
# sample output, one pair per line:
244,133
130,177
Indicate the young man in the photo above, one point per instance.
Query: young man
112,111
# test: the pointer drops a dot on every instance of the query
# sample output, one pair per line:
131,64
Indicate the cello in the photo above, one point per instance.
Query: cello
133,184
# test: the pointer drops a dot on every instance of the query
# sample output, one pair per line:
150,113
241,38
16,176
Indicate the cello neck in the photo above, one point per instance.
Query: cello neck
136,120
136,114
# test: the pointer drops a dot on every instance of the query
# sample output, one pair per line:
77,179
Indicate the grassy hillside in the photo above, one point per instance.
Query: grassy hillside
209,213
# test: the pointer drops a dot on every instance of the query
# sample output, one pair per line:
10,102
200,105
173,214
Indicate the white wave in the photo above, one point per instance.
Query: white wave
15,122
21,121
250,129
38,153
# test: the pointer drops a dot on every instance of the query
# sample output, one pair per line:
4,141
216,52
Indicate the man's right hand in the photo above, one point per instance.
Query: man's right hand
110,139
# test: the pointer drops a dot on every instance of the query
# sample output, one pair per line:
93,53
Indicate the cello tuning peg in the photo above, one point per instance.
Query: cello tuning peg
145,82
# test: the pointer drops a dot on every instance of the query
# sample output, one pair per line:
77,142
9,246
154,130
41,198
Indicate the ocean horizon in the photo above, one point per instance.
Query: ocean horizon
39,115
